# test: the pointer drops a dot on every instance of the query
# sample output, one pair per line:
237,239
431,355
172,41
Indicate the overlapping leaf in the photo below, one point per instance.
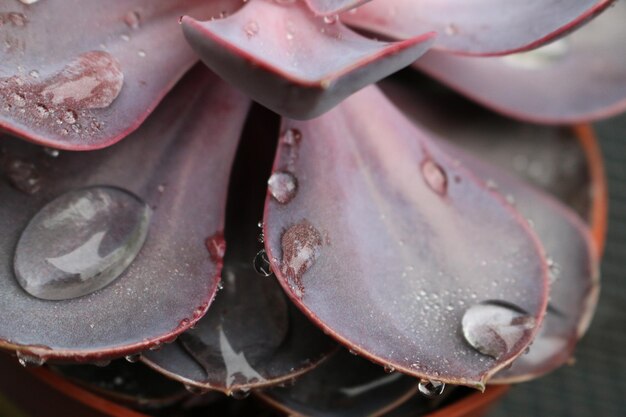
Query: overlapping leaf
293,62
375,244
178,163
82,74
477,27
579,78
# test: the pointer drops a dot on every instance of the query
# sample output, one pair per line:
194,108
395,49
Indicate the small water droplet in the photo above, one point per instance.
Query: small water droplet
132,19
18,100
251,28
34,74
262,264
283,186
41,110
301,244
133,358
494,328
51,152
389,369
69,116
292,137
434,176
331,19
22,175
29,1
240,394
554,270
216,245
195,390
28,360
452,29
431,388
141,53
80,242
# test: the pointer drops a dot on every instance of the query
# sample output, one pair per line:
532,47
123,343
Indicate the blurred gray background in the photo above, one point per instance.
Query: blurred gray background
596,385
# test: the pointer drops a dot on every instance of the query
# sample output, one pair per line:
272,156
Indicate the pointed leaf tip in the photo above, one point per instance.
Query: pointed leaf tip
293,62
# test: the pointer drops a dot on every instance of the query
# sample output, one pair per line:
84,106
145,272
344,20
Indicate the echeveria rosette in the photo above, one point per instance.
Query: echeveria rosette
381,235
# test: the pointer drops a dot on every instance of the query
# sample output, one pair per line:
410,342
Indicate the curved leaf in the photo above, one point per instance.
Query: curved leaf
86,81
343,386
547,157
251,336
574,265
376,249
579,78
178,163
477,27
520,155
293,62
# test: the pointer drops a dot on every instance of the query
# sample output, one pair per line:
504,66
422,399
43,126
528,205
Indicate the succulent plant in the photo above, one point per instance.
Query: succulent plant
432,265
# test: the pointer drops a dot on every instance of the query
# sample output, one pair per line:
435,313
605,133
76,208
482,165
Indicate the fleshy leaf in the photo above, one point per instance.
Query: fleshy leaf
477,27
343,386
293,62
252,336
578,78
374,245
574,273
552,159
178,163
548,157
329,7
85,82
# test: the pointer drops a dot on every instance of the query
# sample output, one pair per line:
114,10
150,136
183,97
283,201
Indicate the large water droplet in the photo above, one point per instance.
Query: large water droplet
431,388
301,245
261,264
434,176
494,328
80,242
283,186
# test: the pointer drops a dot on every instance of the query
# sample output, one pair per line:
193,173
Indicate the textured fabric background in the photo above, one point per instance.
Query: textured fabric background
596,385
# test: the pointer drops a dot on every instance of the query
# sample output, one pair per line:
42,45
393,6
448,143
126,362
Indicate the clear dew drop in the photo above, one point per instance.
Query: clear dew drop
283,186
51,152
251,28
133,358
132,19
80,242
29,361
22,175
430,388
261,264
494,328
240,394
389,369
434,176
